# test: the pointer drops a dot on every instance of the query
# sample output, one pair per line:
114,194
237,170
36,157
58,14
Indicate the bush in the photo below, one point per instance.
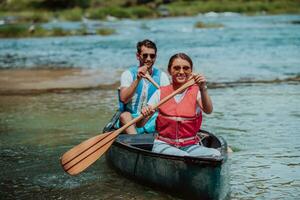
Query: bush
142,12
59,32
34,17
19,31
9,31
117,12
208,25
95,14
106,31
101,13
72,14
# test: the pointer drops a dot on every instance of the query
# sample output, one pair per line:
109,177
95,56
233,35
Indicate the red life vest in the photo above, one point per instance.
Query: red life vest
178,123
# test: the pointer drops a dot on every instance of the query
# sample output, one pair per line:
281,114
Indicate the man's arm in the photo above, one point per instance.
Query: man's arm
128,88
148,110
126,93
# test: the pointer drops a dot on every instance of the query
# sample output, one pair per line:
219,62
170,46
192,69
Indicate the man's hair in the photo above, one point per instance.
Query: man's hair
147,43
183,56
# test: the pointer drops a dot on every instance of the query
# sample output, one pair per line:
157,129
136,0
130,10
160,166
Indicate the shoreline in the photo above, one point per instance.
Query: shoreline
35,81
40,81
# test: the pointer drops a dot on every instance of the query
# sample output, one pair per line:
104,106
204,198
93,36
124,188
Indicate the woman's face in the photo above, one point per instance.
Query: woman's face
180,71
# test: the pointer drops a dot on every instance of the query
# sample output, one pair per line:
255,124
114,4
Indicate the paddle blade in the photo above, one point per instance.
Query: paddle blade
86,153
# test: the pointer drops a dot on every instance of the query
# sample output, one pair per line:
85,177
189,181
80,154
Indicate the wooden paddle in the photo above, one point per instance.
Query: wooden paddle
83,155
147,76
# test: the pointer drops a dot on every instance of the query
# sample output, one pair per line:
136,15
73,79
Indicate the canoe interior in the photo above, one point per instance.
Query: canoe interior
145,141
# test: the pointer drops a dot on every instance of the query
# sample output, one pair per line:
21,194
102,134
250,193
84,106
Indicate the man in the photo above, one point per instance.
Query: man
135,90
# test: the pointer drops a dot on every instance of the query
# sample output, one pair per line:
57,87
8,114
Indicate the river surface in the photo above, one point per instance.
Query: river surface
57,92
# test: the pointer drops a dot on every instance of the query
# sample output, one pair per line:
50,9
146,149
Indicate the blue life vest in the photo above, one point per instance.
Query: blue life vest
133,108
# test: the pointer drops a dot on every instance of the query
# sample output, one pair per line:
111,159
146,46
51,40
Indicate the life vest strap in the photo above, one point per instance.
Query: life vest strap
180,118
178,140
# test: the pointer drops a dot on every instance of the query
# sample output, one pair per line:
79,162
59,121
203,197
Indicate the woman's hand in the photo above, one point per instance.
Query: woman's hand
200,81
147,111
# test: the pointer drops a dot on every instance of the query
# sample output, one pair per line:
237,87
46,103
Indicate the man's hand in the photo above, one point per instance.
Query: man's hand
142,72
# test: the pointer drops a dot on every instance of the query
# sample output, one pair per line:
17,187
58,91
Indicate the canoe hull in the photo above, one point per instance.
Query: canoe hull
191,178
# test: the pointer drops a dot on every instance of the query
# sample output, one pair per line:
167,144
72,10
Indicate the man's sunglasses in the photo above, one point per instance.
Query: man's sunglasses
145,55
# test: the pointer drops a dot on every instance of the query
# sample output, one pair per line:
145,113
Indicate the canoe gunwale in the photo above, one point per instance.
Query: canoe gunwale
187,159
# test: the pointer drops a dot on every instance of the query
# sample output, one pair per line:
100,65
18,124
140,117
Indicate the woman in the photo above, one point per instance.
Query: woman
180,118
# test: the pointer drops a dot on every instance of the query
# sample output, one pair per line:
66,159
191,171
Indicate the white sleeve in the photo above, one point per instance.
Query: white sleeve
164,79
154,99
126,79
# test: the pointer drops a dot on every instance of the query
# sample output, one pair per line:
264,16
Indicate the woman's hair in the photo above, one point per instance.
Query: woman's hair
182,56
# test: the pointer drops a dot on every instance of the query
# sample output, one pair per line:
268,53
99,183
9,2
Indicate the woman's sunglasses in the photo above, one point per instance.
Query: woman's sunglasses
145,55
184,68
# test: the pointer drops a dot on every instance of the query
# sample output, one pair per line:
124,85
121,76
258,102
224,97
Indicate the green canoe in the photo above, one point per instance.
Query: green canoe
186,177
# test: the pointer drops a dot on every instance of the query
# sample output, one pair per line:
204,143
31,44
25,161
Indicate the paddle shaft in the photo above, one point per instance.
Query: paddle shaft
147,76
86,153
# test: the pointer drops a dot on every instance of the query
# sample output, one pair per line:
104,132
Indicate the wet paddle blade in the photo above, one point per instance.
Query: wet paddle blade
86,153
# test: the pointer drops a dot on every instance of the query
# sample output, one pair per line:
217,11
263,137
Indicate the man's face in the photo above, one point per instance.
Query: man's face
146,57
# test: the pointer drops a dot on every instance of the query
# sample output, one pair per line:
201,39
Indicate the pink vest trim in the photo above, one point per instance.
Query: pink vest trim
183,132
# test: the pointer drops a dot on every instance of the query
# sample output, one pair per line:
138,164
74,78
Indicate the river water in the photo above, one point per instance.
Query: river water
57,92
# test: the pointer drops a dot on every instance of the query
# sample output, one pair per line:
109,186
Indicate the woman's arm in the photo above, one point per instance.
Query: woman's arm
205,102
